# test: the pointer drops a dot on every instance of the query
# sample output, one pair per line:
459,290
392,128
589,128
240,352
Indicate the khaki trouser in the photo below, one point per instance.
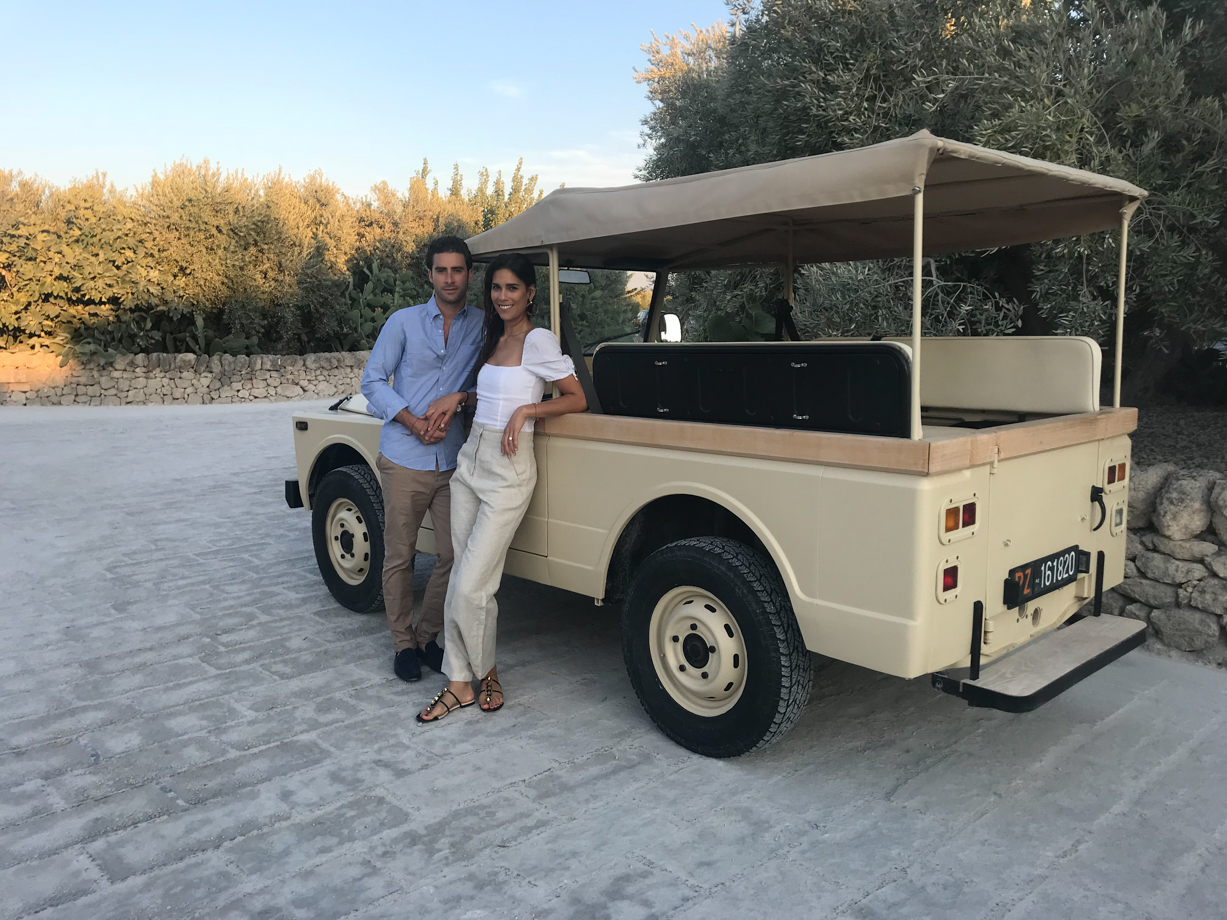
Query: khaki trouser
490,493
407,495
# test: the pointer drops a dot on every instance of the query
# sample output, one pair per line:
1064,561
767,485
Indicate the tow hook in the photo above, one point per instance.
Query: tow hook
1097,499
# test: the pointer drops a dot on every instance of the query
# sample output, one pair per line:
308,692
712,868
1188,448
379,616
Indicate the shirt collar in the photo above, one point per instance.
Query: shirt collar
433,309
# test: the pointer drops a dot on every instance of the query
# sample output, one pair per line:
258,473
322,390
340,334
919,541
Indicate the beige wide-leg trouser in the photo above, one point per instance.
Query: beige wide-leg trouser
407,496
490,493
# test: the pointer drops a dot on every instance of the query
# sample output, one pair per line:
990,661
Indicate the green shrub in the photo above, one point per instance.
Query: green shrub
203,261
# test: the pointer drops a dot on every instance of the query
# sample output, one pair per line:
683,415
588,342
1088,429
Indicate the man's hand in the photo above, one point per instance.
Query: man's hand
439,414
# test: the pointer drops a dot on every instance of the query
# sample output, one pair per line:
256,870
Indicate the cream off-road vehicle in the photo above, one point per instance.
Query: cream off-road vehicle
751,503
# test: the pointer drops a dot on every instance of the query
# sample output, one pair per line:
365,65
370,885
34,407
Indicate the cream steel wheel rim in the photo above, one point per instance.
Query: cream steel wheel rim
698,651
349,542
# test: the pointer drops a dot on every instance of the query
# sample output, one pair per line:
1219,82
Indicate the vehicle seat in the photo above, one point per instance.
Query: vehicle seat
851,387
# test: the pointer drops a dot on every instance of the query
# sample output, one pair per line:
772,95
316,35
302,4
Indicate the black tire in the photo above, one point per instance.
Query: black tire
779,670
358,489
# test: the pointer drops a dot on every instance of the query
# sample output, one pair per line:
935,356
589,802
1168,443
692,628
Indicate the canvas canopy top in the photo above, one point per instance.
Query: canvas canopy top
843,206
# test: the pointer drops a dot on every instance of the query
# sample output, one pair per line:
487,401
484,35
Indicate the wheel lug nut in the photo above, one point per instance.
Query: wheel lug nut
704,675
681,667
694,625
711,649
675,639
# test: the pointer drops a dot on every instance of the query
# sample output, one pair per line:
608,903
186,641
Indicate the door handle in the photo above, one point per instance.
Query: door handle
1097,498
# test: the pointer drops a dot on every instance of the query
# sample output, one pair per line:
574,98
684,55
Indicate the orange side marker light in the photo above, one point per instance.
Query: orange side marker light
952,519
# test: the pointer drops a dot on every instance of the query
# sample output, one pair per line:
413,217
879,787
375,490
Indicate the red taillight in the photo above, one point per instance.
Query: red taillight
969,514
1120,472
952,519
1112,474
950,578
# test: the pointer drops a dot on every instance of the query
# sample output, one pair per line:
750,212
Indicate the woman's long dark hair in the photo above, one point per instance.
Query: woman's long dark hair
520,266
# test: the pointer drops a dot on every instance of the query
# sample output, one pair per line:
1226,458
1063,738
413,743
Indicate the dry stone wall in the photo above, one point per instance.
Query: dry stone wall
36,379
1176,562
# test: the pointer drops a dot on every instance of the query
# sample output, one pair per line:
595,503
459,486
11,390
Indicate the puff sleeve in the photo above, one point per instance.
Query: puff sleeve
543,357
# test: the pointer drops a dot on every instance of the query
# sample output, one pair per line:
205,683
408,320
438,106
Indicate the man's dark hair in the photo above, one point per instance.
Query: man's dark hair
447,244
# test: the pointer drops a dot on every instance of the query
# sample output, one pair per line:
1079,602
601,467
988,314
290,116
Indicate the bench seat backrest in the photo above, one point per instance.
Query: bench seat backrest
852,387
1040,374
846,385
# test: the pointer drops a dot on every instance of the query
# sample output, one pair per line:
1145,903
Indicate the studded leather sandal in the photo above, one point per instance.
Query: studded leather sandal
489,692
446,706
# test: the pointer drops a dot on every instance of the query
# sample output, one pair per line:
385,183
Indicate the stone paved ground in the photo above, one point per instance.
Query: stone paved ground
191,727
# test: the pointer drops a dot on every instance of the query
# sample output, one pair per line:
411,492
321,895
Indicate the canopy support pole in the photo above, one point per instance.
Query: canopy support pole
660,284
555,295
918,215
1125,214
790,267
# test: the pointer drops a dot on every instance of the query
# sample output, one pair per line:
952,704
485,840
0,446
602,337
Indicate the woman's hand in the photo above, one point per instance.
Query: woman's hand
425,433
418,426
571,400
511,434
440,412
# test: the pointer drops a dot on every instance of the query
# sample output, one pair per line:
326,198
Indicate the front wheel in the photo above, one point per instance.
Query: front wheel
712,647
347,530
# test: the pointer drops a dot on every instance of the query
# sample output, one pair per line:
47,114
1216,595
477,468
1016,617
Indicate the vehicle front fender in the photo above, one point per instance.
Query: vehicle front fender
336,441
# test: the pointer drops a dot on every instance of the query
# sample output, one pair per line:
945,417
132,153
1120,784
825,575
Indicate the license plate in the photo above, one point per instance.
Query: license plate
1043,576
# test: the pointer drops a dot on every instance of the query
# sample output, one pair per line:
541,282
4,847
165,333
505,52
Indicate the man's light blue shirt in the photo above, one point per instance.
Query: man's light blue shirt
411,350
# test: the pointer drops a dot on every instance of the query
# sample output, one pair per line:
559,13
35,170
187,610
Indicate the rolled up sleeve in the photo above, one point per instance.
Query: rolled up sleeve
384,402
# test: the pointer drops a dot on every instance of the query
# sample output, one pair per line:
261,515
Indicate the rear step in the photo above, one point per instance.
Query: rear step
1049,666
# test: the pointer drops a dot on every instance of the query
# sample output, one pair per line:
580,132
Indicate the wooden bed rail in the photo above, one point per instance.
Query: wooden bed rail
930,455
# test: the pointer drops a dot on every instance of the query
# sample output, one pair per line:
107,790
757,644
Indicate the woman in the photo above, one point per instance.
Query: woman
495,475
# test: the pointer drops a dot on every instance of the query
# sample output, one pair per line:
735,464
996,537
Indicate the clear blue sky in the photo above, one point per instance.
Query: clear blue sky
361,90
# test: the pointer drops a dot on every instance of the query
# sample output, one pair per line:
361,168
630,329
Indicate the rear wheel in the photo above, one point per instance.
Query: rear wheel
712,647
347,530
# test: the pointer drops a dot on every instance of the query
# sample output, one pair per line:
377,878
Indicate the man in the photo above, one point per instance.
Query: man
429,352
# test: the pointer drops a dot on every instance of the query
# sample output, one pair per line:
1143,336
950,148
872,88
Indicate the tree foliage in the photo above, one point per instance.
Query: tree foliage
209,261
601,310
1116,87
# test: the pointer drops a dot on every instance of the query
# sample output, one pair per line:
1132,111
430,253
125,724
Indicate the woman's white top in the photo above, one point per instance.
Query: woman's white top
502,390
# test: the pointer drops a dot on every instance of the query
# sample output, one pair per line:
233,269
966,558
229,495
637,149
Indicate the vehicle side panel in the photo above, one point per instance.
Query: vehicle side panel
832,533
596,487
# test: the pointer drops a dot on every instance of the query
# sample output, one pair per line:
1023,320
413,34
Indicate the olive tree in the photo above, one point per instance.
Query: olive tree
1102,86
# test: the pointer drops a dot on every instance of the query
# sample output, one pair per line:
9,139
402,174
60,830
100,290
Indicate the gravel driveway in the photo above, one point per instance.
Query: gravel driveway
191,727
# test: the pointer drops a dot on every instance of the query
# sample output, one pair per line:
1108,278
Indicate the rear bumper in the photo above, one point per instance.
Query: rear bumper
1037,672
